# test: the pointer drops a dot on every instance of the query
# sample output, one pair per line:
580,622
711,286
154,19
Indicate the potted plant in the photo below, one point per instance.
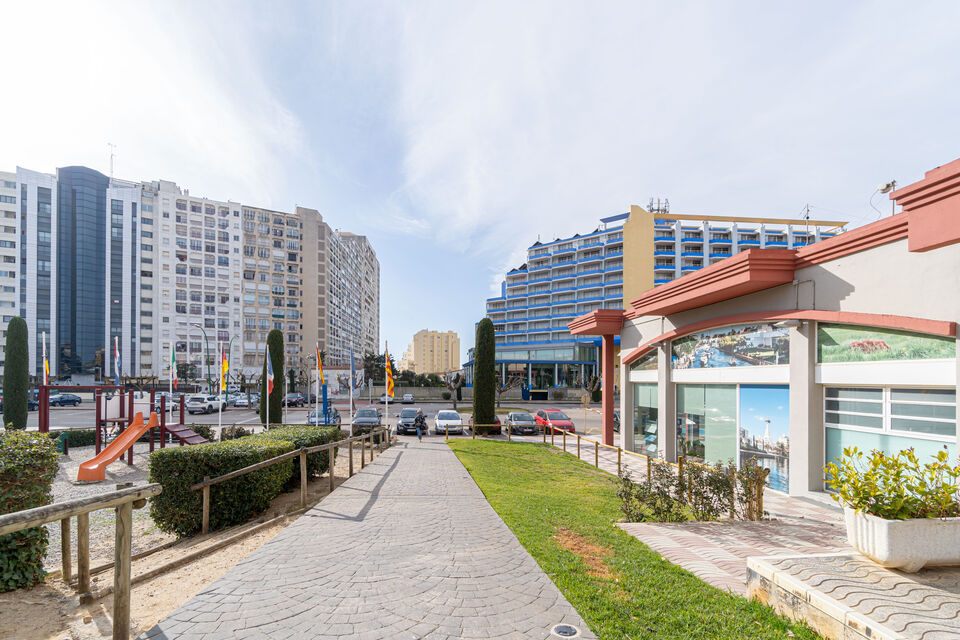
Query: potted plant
899,513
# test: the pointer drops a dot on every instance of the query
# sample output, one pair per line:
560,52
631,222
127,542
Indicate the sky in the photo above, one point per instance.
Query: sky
455,134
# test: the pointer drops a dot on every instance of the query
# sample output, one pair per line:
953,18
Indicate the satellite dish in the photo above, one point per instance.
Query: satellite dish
887,187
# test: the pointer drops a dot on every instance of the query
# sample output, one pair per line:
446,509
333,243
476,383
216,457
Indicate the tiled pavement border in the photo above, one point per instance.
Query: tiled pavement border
408,548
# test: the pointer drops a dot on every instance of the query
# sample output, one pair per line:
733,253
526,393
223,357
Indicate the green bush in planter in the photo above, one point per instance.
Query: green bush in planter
179,509
28,465
304,436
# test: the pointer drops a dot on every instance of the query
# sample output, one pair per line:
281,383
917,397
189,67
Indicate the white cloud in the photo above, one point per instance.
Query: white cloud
180,100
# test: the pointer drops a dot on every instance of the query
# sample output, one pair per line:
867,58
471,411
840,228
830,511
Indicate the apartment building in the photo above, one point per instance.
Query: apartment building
624,256
433,352
152,266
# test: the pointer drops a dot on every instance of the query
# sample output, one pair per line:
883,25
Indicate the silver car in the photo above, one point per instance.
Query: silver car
447,421
521,422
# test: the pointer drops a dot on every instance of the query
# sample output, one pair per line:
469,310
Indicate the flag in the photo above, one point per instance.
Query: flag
173,365
320,366
269,373
224,367
116,360
389,370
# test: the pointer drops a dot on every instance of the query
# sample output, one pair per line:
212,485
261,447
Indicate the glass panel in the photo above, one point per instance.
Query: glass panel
854,393
734,346
872,422
852,343
645,419
942,411
764,430
647,362
838,439
924,426
924,395
856,407
707,422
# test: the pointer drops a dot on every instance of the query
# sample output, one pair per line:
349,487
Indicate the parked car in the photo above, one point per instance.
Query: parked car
496,421
554,418
33,401
365,420
241,401
205,404
521,422
385,399
447,421
316,417
64,399
616,421
405,421
293,400
407,398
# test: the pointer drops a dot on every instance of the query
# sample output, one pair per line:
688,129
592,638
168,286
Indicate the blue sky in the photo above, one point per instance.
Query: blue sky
454,133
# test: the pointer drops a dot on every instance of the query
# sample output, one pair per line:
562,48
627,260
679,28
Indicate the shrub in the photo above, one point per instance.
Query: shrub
16,378
233,432
446,395
179,509
275,345
304,436
558,394
484,374
80,437
896,487
28,465
204,430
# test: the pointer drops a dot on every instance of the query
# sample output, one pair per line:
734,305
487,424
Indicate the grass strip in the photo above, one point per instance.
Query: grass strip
563,512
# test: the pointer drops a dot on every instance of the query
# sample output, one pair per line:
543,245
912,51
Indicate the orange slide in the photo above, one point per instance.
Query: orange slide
95,469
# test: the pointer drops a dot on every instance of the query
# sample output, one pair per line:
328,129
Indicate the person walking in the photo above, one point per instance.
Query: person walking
421,424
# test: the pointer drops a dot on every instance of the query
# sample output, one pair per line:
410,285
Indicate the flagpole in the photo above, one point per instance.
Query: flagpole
220,398
45,381
352,382
386,392
173,372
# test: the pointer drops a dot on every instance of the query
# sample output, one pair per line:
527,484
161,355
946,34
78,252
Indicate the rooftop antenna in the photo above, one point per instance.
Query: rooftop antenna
806,224
113,150
887,188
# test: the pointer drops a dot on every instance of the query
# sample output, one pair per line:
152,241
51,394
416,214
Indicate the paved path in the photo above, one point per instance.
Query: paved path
408,548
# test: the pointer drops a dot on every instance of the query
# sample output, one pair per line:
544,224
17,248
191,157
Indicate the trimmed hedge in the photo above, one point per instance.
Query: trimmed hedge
79,437
28,465
179,509
484,376
305,436
16,377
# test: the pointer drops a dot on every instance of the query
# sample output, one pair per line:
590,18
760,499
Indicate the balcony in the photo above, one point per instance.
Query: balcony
516,295
612,254
749,242
664,253
610,283
720,254
588,245
721,241
664,239
521,283
692,239
557,265
592,258
539,267
776,243
547,279
692,254
690,267
661,280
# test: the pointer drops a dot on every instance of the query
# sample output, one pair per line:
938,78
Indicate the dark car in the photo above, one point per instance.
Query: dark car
496,429
405,421
64,399
293,400
616,421
365,420
521,422
33,402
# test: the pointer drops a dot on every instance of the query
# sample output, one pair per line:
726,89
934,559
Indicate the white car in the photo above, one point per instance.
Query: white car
447,421
205,404
407,398
241,400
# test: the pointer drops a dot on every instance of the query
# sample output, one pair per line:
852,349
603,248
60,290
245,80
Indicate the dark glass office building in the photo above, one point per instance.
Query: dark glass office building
81,251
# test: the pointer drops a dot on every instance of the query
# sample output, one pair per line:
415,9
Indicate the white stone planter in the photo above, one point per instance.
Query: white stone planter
909,545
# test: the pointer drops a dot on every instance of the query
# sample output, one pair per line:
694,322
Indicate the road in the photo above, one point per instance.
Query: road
83,416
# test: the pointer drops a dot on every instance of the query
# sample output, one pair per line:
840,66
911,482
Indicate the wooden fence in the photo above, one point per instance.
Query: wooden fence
124,500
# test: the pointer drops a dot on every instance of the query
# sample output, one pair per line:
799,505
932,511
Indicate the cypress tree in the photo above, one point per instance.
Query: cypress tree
275,346
16,378
484,374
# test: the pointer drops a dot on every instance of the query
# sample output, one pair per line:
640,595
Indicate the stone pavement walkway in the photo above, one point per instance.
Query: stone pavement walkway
408,548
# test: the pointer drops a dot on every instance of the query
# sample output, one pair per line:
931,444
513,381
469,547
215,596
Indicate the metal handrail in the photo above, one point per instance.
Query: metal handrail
125,500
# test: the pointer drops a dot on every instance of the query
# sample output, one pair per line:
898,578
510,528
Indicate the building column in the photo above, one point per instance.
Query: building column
607,389
666,406
626,409
806,412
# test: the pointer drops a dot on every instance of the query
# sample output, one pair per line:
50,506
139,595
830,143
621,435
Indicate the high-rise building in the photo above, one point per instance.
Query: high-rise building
433,352
90,259
624,256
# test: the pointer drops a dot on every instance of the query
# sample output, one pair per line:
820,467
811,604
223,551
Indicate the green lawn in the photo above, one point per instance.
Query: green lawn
563,511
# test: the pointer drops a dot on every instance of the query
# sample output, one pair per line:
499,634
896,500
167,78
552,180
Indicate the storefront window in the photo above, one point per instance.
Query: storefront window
852,343
707,422
568,375
645,419
733,346
764,429
542,376
647,362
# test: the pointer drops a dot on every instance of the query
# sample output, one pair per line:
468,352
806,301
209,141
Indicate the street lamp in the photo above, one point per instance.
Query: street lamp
206,353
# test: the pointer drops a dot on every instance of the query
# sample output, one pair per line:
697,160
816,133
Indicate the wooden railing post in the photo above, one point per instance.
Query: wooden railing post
649,470
564,438
363,452
351,460
509,430
121,572
544,434
578,446
303,478
733,493
66,572
683,484
551,436
331,461
206,506
83,557
596,454
619,452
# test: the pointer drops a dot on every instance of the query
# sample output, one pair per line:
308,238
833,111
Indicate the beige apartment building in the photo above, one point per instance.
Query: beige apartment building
433,352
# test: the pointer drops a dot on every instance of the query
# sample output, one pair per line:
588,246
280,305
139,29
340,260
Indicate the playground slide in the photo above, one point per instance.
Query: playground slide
95,469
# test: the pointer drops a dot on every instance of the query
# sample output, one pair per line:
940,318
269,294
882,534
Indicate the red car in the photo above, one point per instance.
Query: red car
554,418
495,430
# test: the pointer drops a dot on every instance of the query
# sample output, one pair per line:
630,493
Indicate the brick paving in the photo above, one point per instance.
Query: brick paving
717,552
408,548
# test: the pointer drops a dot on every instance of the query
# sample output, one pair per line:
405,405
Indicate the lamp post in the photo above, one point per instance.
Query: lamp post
206,353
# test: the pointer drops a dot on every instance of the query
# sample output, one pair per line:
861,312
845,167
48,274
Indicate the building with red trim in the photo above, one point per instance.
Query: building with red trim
789,355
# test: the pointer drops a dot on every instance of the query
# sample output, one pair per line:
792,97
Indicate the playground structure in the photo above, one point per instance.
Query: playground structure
123,404
95,469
